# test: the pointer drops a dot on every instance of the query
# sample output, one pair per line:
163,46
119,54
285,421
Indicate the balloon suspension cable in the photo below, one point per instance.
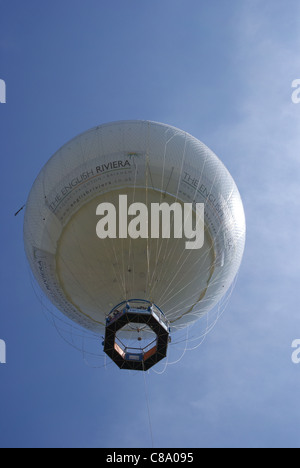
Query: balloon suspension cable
148,410
19,211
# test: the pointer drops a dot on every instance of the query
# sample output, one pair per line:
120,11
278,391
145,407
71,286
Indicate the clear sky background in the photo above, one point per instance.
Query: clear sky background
222,71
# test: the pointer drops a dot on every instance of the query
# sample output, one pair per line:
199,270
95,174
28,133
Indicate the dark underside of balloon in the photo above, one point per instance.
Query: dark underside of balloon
139,313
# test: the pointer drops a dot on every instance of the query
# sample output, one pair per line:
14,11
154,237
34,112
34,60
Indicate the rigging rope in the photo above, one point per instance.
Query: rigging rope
148,408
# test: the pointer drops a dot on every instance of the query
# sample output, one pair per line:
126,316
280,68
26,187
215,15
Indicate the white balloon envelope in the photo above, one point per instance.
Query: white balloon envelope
86,277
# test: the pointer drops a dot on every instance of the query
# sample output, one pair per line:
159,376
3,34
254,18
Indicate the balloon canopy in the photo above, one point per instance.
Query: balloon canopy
85,276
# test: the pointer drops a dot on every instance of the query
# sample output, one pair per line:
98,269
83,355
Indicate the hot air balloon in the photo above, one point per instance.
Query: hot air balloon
137,289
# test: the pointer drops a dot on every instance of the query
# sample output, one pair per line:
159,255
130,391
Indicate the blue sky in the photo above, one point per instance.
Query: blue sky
222,71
